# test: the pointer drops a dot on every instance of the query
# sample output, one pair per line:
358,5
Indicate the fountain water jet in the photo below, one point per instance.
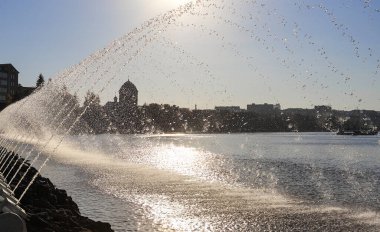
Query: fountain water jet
57,118
69,129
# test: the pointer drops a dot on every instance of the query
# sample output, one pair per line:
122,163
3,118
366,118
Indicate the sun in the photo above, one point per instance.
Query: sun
183,1
176,3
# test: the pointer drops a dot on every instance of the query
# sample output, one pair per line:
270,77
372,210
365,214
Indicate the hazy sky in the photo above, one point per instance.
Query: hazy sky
296,53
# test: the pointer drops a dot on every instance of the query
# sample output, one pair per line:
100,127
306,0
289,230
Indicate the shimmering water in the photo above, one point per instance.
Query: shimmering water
216,52
225,182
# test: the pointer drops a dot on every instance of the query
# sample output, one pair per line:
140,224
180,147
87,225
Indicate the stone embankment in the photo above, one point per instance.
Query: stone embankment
48,208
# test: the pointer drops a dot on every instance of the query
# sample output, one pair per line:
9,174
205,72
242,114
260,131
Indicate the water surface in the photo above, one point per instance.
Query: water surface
223,182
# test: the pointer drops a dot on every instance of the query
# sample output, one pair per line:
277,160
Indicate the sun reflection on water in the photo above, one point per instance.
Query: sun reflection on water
184,160
171,215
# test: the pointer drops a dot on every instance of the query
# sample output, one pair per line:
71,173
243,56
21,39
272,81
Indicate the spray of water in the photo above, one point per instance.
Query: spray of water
161,46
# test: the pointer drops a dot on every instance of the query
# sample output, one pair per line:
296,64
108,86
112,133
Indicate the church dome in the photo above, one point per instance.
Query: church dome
129,86
128,94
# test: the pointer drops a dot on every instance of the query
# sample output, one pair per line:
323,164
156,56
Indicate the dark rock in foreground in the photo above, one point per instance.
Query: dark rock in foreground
49,208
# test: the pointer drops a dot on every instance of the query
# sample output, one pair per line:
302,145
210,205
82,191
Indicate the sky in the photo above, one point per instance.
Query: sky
47,36
296,53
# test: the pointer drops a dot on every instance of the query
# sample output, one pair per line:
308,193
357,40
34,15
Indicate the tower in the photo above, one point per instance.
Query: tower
128,111
128,95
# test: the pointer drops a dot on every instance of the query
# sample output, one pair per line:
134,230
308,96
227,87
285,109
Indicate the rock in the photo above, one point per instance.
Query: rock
49,208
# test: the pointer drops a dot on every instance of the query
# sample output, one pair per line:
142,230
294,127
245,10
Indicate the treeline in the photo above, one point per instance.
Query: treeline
93,118
157,118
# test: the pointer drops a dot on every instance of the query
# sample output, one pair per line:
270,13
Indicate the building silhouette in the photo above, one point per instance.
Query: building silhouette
128,99
8,84
263,108
128,95
126,117
123,112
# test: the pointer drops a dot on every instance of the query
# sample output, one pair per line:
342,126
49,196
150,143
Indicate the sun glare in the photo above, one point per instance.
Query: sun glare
176,3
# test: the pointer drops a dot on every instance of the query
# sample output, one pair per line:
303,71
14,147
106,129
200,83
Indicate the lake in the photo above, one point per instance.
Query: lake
223,182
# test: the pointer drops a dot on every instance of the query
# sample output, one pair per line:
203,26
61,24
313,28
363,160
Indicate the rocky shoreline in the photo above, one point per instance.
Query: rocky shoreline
48,208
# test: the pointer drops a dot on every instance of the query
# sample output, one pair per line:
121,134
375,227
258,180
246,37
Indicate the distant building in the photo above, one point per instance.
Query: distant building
128,98
299,111
125,111
184,109
263,108
8,84
233,109
112,106
128,95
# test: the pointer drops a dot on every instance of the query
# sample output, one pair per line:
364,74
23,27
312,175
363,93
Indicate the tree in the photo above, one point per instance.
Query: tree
94,114
61,108
91,100
40,81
